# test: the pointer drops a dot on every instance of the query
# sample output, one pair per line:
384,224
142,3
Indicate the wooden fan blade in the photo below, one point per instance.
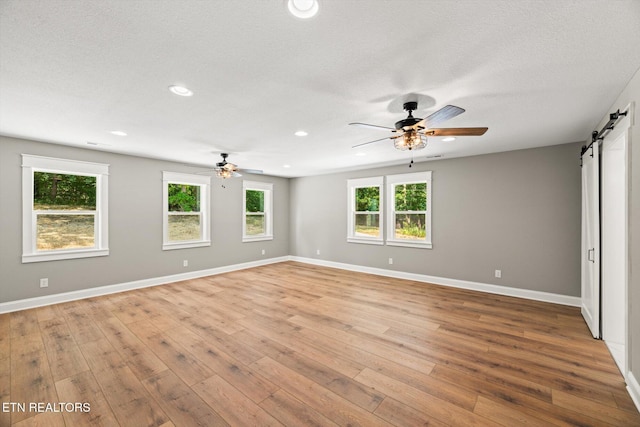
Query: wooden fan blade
366,125
456,131
445,113
376,140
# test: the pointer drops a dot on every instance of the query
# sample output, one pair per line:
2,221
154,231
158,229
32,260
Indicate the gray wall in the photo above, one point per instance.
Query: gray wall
632,94
135,225
517,211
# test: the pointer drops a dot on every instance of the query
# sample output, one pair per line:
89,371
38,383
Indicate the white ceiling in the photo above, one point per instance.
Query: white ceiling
535,72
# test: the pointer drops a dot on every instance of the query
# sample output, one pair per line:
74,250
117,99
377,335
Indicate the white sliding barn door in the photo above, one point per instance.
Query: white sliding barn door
591,240
614,243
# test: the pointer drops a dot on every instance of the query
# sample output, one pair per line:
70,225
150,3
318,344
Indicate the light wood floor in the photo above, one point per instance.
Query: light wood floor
299,345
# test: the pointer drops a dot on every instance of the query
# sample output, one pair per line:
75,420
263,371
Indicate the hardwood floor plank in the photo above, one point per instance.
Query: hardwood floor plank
83,388
442,410
180,402
332,406
65,358
129,400
243,377
291,412
31,379
234,406
401,415
142,361
184,364
599,411
504,415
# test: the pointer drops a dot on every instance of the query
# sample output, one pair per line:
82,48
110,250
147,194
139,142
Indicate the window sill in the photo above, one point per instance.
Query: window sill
246,239
61,255
364,241
410,244
185,245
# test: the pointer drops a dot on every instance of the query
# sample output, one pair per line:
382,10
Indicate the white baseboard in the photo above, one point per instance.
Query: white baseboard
633,387
24,304
463,284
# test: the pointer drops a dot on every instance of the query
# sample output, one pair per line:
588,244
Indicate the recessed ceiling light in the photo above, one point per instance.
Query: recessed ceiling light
303,9
286,166
301,133
180,90
361,154
448,139
118,133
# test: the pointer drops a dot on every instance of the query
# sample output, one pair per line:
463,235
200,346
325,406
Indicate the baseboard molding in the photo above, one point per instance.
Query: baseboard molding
24,304
28,303
633,387
455,283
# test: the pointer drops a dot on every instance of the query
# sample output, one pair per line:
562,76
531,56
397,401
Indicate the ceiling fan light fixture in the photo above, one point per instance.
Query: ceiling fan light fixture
303,9
411,140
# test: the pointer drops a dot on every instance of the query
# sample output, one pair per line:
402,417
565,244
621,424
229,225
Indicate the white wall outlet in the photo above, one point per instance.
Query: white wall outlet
498,274
317,251
264,252
44,283
390,261
185,263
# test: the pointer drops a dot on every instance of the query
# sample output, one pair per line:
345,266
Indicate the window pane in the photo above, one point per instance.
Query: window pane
184,227
411,197
63,192
255,225
184,198
65,232
410,226
368,199
367,225
255,201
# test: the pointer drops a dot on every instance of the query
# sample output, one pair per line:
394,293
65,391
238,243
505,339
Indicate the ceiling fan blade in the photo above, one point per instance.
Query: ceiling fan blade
366,125
445,113
456,131
255,171
376,140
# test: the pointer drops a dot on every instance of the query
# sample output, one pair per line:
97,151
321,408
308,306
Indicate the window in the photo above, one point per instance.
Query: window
64,205
258,218
409,204
185,201
365,210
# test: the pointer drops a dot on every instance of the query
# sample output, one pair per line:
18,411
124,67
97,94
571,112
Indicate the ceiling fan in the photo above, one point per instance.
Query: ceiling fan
226,170
411,133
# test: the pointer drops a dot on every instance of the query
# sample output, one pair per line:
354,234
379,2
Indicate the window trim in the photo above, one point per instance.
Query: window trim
204,182
352,185
100,171
408,178
267,188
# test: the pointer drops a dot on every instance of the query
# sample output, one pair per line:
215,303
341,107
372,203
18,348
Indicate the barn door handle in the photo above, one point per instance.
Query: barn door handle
589,255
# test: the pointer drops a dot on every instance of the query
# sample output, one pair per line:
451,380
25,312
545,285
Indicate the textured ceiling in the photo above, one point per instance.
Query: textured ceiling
535,72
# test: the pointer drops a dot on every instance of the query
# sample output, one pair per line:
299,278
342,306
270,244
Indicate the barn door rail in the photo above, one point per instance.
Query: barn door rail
599,136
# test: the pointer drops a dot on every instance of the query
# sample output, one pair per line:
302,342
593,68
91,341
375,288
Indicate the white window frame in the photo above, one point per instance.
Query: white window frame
100,171
352,185
408,178
204,182
267,188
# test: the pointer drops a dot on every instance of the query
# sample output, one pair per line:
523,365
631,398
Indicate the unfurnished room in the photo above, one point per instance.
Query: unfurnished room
319,213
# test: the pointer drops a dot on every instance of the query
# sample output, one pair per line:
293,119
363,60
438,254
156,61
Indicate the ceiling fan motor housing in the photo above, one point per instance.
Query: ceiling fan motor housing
410,121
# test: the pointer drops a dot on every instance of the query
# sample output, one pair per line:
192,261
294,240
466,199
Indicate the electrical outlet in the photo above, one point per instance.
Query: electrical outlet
185,263
264,252
390,261
498,274
44,283
317,251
